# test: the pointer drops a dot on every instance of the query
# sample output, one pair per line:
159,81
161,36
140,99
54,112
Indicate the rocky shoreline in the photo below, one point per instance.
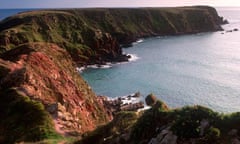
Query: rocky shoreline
42,94
96,36
131,102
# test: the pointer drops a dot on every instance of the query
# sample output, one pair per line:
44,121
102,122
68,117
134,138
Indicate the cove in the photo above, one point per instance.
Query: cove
184,70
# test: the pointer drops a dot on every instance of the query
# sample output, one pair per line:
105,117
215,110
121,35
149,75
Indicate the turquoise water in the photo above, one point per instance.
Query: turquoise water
181,70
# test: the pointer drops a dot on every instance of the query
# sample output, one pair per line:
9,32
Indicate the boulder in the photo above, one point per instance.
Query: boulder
235,29
164,137
150,100
203,125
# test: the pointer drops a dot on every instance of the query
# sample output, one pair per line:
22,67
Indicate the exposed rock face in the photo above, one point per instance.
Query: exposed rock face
85,43
93,35
165,137
45,73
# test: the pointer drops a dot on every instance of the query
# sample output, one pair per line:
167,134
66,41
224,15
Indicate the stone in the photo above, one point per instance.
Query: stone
233,132
203,125
164,137
150,100
137,94
153,141
52,108
235,141
235,29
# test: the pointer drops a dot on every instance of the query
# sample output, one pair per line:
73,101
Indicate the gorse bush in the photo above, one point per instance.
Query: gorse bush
23,119
213,133
187,120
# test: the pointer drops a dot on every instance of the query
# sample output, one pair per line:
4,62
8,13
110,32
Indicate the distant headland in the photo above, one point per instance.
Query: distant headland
44,97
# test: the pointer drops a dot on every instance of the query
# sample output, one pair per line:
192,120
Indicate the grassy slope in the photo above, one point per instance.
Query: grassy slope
83,31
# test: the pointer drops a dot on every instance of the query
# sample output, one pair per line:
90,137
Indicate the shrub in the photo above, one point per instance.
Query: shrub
23,119
150,100
213,133
231,121
187,120
152,119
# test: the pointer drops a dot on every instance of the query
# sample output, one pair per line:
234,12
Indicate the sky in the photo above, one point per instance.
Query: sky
111,3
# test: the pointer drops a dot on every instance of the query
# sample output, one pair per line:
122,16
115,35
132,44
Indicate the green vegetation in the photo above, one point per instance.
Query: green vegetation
145,127
150,100
92,35
121,124
187,120
184,122
23,119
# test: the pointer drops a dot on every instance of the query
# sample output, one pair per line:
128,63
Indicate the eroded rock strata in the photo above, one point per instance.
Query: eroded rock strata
45,73
41,91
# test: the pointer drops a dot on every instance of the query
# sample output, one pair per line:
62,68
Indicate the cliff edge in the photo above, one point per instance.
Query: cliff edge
41,92
94,35
41,88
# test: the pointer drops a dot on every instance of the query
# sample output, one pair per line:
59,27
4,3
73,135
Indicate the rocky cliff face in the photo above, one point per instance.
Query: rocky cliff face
93,35
45,73
39,85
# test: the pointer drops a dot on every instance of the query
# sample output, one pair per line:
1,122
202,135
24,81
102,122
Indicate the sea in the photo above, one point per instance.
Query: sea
197,69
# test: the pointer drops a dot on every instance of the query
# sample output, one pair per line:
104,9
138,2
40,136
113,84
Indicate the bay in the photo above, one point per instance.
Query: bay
200,69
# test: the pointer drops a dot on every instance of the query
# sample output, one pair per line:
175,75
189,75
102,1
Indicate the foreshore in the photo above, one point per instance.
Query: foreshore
132,102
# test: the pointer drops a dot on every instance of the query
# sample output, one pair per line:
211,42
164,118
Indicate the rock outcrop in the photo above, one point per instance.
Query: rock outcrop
93,35
40,90
160,125
45,73
165,137
150,99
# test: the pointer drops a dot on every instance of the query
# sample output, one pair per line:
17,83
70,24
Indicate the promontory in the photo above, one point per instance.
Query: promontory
42,95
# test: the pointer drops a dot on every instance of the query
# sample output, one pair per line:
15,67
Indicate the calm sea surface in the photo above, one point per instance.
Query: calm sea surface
181,70
194,69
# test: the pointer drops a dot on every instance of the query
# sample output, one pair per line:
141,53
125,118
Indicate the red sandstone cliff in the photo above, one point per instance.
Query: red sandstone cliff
45,73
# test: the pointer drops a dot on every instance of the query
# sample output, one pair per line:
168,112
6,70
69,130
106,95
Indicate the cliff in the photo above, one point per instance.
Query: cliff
161,125
37,78
41,92
93,35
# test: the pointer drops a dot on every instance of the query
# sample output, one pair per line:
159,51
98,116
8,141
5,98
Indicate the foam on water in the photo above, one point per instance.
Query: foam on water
134,57
138,41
